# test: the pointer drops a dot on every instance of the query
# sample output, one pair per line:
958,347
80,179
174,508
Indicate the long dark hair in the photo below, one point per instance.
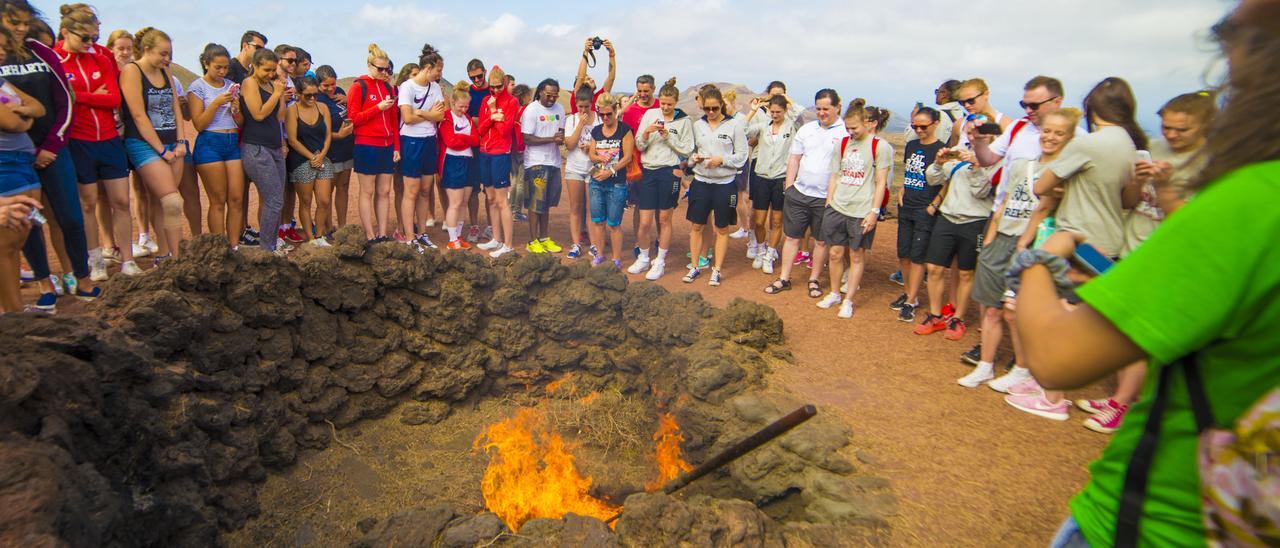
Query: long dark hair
211,52
1112,101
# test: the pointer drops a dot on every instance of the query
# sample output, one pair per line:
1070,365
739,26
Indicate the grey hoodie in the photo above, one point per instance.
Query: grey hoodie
728,141
659,151
773,151
968,197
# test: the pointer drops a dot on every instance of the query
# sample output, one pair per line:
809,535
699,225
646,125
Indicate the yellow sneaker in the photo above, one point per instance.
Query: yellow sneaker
550,245
535,247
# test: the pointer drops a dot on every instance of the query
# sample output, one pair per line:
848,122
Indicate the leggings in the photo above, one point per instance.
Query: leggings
58,186
265,167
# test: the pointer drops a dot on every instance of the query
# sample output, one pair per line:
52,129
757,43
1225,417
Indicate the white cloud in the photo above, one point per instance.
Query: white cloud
559,30
406,18
503,31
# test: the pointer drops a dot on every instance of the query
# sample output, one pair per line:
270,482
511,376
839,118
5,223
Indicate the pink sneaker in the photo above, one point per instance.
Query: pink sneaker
1039,406
1094,407
1028,387
1107,420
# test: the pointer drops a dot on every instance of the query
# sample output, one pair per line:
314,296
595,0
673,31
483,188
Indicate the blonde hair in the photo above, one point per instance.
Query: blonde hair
496,72
116,35
77,17
1071,114
607,100
147,38
976,83
375,53
460,93
730,96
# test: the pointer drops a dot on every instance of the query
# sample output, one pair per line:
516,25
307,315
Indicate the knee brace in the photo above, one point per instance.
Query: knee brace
171,204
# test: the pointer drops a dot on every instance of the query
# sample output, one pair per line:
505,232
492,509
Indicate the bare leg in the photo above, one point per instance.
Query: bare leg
857,264
507,218
324,207
819,260
962,292
382,203
722,246
117,192
664,228
190,190
368,186
1129,382
836,268
305,193
235,200
341,198
937,288
11,241
214,175
695,244
407,197
789,249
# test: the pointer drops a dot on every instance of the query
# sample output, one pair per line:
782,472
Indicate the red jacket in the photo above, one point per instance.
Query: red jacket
498,137
373,127
453,140
92,114
520,130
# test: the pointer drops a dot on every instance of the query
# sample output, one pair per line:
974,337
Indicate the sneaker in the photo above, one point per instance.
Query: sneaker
48,302
111,255
502,250
594,251
636,251
89,295
290,235
248,238
691,275
399,236
948,310
766,265
801,257
535,247
320,242
899,302
487,232
253,232
550,245
473,235
973,356
1094,407
425,241
955,329
130,268
98,271
617,263
932,324
1027,387
140,250
656,269
753,253
846,310
25,276
704,262
162,258
458,244
715,278
56,281
896,278
1016,377
70,283
1037,405
641,265
596,260
907,314
977,377
1108,420
520,217
740,234
146,241
575,251
490,245
829,301
431,223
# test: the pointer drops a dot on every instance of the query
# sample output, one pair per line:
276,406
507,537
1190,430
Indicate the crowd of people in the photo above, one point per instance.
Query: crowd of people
983,196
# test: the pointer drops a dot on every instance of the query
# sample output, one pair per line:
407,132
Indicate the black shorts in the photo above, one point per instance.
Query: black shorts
766,193
658,189
705,198
914,228
801,212
955,241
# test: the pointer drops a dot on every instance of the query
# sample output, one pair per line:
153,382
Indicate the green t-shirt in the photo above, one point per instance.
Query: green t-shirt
1208,276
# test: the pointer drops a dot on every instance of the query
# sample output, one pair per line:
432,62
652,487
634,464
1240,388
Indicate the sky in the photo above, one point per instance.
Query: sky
892,53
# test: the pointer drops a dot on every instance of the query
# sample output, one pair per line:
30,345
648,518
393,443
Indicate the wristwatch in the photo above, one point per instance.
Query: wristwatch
876,211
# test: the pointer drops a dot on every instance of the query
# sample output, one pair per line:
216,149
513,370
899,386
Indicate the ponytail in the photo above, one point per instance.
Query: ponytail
857,109
669,89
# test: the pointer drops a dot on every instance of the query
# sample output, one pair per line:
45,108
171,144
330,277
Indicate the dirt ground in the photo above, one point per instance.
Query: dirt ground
967,469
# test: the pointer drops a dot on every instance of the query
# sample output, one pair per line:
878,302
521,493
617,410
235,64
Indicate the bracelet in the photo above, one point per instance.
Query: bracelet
1057,266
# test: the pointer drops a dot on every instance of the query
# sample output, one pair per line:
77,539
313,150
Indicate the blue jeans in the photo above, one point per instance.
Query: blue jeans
607,199
1069,536
58,187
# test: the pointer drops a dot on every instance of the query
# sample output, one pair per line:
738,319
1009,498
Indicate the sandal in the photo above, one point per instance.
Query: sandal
778,286
815,289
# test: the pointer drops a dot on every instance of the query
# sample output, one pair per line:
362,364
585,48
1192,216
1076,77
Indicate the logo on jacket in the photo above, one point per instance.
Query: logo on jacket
71,76
96,75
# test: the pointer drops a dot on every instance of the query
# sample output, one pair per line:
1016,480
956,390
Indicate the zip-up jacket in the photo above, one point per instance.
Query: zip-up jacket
499,137
968,196
666,151
42,78
456,141
728,141
373,127
93,114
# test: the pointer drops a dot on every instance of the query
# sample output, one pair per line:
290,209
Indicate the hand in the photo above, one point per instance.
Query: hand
1058,192
497,116
560,137
869,222
316,161
609,46
966,155
395,156
385,103
649,130
755,104
584,147
289,93
437,108
695,159
340,98
223,98
662,128
102,90
44,158
168,156
586,46
1158,173
932,210
491,101
1063,243
179,151
14,211
714,162
346,129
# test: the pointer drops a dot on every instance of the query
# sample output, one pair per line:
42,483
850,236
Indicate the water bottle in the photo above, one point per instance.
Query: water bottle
1046,229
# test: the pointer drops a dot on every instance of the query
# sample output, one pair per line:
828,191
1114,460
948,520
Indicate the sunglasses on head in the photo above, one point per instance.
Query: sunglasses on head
970,101
1035,106
919,127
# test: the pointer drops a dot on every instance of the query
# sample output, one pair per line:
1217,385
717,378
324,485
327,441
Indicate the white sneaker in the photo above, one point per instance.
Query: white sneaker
740,233
753,253
846,310
1014,377
111,255
656,269
502,250
829,301
146,241
25,275
130,268
844,282
431,223
975,378
320,242
98,271
641,265
766,265
490,245
140,250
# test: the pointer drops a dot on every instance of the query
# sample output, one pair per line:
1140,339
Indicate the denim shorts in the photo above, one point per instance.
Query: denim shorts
17,174
98,160
1069,536
375,160
140,152
608,199
212,146
495,170
418,156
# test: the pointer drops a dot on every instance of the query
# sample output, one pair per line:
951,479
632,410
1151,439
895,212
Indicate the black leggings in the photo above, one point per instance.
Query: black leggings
59,188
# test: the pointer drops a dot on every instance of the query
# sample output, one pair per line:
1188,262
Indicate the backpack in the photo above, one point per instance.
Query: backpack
875,145
1013,134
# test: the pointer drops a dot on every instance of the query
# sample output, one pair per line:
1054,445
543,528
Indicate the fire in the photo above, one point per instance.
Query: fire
667,453
531,473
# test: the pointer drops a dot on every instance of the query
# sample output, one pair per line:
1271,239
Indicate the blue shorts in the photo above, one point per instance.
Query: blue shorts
495,170
98,160
17,174
212,146
658,189
374,160
418,156
608,199
458,172
140,153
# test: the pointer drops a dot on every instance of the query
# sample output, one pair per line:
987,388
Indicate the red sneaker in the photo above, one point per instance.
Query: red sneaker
948,310
1107,420
458,244
955,329
291,235
932,324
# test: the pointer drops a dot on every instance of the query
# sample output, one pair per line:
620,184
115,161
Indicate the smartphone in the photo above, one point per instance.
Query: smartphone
919,105
1144,156
36,217
1091,259
989,128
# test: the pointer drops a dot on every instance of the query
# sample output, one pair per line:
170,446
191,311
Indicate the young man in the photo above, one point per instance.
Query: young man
479,92
636,106
287,65
543,127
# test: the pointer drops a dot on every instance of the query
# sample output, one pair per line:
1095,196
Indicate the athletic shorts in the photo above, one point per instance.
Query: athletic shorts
914,228
766,194
707,198
305,174
989,283
99,160
374,160
17,174
955,241
345,165
495,170
140,152
607,199
212,146
457,172
543,188
840,229
801,212
658,189
418,156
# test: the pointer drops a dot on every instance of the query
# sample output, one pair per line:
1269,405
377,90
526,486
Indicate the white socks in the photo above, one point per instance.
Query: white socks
454,232
662,255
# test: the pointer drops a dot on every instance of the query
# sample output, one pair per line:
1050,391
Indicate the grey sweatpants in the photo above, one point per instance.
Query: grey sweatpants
265,167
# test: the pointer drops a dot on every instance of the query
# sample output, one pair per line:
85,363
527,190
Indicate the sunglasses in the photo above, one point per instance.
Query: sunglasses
91,38
970,101
290,60
1032,107
919,127
476,77
309,95
384,70
711,109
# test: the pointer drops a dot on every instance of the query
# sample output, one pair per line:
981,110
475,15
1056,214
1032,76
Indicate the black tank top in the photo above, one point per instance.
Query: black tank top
159,104
311,136
265,132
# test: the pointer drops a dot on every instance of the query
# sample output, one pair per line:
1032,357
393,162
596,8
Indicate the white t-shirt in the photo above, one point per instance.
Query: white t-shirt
578,162
419,97
461,126
222,118
816,145
540,121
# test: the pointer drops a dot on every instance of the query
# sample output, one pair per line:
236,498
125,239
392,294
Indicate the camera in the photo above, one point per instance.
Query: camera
596,42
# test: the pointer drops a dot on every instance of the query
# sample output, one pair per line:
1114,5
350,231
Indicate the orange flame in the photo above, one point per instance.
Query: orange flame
567,379
531,473
667,453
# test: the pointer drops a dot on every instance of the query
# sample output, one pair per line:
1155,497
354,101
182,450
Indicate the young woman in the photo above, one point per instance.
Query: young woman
371,108
975,97
120,43
805,189
497,136
262,107
582,78
215,113
422,107
341,148
859,174
154,140
459,138
308,127
917,208
666,135
611,147
772,145
577,165
19,185
397,179
743,179
720,151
